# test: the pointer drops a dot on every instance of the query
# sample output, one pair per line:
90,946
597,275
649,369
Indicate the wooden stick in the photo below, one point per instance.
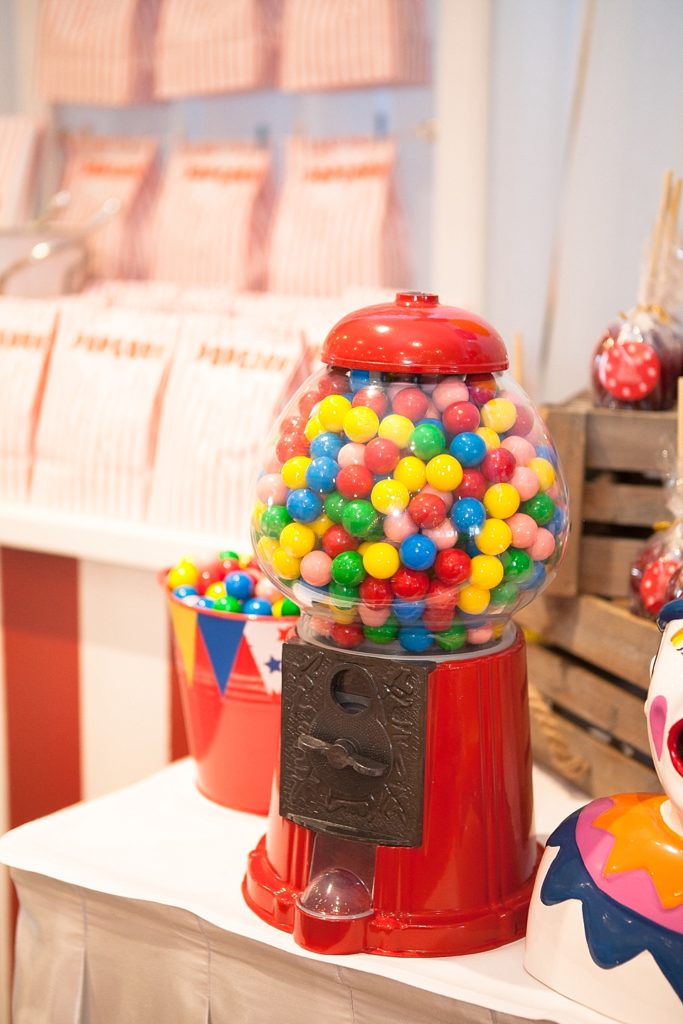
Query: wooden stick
669,235
517,361
679,434
648,283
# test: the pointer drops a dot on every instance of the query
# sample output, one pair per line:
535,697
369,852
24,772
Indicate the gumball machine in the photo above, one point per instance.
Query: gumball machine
410,503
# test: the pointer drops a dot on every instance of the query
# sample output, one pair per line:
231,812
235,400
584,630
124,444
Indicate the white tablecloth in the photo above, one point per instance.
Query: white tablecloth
131,911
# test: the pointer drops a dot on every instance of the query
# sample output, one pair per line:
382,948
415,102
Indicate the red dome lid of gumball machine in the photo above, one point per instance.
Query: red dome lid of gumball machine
417,335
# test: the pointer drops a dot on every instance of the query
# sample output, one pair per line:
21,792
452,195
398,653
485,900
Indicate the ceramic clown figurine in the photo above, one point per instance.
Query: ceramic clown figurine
606,919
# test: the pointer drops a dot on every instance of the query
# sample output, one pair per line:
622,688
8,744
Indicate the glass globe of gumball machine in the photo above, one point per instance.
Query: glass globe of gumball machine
411,502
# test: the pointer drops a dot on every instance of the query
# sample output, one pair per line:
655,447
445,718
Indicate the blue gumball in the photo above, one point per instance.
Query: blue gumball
257,606
239,585
184,591
407,611
536,579
415,639
303,505
326,444
468,448
322,474
546,451
203,602
418,552
359,379
468,515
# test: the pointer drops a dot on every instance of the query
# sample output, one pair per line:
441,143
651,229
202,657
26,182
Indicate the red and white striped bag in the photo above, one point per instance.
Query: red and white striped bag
337,44
26,333
212,217
338,223
216,46
229,379
96,51
99,419
19,144
97,168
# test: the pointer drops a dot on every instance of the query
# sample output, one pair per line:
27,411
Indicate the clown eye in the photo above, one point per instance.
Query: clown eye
677,640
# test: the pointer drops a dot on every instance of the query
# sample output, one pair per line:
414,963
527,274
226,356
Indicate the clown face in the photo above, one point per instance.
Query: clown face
664,710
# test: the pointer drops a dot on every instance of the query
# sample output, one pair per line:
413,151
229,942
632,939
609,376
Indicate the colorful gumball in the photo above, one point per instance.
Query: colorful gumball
499,465
375,592
372,397
426,510
302,505
239,585
381,455
354,482
337,539
411,472
409,584
418,552
399,526
427,440
361,424
468,448
452,566
397,429
381,560
461,416
332,411
410,402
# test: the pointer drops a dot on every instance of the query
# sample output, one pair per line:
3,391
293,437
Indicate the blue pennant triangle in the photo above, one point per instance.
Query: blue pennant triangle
222,638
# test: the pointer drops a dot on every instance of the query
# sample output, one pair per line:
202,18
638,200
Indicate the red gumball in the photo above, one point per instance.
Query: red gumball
375,593
438,619
332,384
410,584
452,566
381,455
373,398
308,400
524,422
442,594
354,481
461,416
427,510
472,485
498,465
293,425
482,387
211,573
336,539
290,445
411,403
347,636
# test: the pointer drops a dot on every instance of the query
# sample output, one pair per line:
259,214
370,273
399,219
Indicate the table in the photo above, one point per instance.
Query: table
130,911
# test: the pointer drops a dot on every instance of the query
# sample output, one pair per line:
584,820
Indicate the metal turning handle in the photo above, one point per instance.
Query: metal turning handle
342,754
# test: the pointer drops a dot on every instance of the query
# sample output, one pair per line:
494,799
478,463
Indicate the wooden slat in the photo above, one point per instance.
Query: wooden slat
605,564
567,427
607,769
628,441
607,501
598,631
588,695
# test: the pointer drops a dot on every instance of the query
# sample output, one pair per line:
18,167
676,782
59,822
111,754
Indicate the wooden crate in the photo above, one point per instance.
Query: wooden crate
614,469
589,672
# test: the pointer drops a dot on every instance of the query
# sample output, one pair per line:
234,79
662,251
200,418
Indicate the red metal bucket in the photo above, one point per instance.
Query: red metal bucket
228,668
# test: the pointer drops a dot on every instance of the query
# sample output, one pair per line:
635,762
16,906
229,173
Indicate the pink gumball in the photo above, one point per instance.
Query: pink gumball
446,496
447,391
479,634
398,527
393,389
316,568
444,535
543,546
373,616
321,626
271,489
273,465
525,481
352,454
524,529
522,449
267,590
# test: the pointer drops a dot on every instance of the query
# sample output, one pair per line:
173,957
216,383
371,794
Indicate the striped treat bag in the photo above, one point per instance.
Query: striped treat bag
99,168
99,420
229,378
212,216
96,51
338,223
19,144
27,329
339,44
218,46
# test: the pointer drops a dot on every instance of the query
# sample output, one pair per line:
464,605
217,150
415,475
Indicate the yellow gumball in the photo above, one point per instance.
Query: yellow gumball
321,525
294,471
285,565
501,501
313,428
266,548
362,548
277,608
473,600
256,513
397,429
184,574
344,616
297,539
486,571
215,591
499,414
412,472
444,472
331,412
381,560
489,437
389,496
494,537
544,471
361,424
